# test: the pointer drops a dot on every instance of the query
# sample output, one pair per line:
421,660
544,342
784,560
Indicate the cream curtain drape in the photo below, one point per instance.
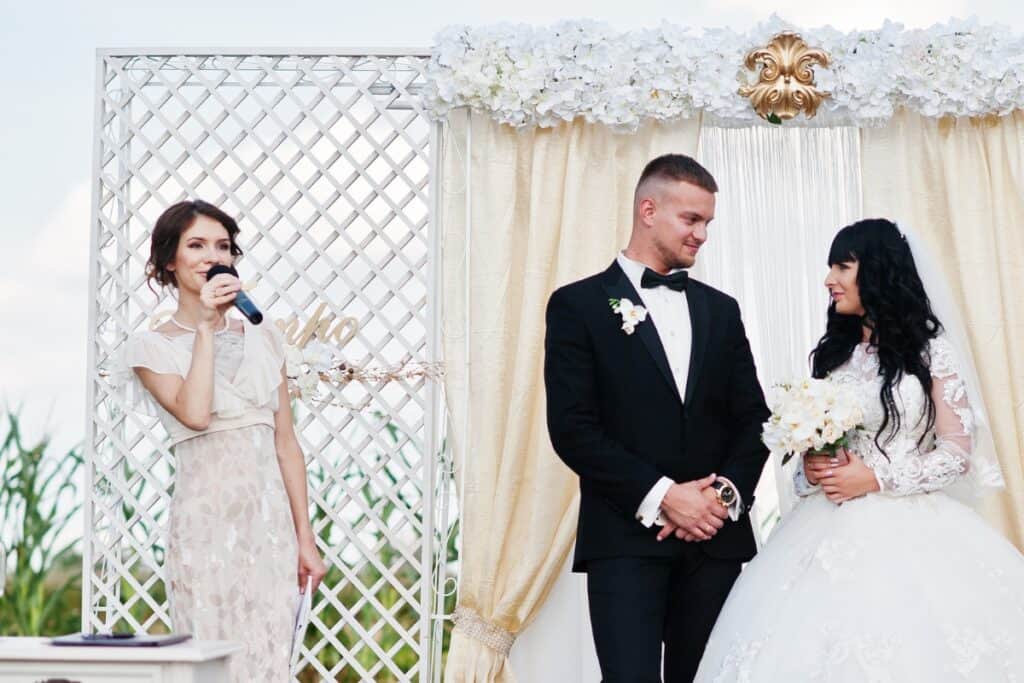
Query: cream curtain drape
960,184
523,213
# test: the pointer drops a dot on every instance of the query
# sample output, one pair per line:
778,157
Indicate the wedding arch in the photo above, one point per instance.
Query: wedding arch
548,129
421,205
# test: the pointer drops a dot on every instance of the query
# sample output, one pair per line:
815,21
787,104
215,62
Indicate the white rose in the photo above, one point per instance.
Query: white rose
831,433
629,311
777,396
817,415
846,414
817,390
774,438
804,431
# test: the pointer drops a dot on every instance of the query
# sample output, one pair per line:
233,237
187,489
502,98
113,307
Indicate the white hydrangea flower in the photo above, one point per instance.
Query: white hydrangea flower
318,356
307,383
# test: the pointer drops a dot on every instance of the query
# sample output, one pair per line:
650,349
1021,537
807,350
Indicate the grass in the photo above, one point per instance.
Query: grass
38,498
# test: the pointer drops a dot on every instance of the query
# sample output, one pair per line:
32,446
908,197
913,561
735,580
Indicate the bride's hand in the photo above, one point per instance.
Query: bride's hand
845,482
815,464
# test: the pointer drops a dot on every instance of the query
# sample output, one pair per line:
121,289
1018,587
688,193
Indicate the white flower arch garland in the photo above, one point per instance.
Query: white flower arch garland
541,76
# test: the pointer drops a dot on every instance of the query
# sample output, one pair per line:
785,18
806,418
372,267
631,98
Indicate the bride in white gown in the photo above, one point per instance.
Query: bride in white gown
881,572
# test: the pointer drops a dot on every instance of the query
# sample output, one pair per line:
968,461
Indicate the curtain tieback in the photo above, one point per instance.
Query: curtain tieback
474,626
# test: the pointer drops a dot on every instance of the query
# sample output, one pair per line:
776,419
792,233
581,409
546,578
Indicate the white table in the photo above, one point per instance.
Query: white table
34,660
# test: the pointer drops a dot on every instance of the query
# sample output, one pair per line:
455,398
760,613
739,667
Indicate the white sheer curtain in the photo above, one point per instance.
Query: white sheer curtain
784,192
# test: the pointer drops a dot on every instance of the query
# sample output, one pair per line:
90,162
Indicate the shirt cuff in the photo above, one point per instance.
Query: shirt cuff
649,512
737,505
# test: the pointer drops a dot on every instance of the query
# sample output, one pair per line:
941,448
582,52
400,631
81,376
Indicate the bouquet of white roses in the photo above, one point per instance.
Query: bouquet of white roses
810,415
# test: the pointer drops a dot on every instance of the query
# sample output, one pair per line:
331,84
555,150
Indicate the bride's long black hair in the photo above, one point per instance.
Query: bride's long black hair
897,312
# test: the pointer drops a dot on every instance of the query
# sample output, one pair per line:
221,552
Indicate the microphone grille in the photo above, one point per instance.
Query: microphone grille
220,268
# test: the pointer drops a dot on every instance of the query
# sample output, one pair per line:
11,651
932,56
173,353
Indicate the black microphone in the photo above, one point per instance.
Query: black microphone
242,301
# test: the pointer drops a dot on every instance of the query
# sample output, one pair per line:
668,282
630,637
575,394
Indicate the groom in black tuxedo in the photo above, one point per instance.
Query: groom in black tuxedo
653,400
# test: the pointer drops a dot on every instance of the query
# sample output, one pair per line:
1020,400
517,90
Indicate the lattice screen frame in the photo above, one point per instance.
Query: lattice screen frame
181,144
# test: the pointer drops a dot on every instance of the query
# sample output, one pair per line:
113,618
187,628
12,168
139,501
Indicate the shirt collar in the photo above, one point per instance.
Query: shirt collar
634,270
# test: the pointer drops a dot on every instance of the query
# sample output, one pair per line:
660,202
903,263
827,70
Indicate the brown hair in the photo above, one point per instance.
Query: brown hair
680,168
163,243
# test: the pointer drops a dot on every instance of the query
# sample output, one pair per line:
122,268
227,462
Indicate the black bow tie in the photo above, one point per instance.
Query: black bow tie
676,280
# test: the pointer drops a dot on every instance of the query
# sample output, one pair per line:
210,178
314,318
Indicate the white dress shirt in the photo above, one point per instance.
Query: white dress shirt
671,315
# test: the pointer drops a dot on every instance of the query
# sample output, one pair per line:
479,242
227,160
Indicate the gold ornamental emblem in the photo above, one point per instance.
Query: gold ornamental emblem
785,86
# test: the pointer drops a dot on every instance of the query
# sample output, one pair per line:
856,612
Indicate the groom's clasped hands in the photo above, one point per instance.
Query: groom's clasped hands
691,511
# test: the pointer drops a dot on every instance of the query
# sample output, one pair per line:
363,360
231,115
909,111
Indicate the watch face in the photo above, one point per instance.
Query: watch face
727,494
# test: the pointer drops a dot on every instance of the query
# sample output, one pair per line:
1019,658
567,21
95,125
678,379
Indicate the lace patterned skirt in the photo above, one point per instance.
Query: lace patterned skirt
232,553
881,588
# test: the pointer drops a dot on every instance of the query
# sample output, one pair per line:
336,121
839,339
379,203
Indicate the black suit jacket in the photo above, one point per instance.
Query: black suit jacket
616,418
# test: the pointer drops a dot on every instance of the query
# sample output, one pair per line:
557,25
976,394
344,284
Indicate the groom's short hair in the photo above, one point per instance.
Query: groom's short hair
678,168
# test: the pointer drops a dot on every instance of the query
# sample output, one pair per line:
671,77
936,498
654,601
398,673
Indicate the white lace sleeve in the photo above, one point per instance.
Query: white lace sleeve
801,486
949,458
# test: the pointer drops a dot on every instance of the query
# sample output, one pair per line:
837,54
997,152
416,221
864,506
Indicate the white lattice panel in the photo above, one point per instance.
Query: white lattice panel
325,160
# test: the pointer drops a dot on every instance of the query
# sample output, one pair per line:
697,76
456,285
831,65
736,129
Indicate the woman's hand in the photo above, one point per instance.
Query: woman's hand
816,463
216,298
843,482
310,564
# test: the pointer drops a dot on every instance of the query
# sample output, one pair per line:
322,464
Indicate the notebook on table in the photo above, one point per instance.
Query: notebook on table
119,640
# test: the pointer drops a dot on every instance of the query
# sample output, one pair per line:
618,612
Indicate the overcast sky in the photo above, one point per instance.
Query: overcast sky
48,53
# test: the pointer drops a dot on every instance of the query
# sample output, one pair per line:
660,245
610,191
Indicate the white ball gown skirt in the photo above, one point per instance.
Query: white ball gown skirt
900,589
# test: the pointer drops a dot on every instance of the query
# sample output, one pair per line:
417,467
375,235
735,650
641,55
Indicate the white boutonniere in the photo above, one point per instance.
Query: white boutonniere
632,315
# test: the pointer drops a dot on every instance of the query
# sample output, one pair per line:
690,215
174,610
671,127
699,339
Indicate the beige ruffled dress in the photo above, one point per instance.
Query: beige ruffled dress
231,553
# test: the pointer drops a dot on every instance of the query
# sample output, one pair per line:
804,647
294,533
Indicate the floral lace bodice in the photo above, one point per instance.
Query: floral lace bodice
906,467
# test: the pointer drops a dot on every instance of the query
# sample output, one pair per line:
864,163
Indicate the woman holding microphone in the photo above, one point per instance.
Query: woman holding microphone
240,537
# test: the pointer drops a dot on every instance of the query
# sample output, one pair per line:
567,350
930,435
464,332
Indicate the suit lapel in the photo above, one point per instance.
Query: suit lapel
618,286
697,302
